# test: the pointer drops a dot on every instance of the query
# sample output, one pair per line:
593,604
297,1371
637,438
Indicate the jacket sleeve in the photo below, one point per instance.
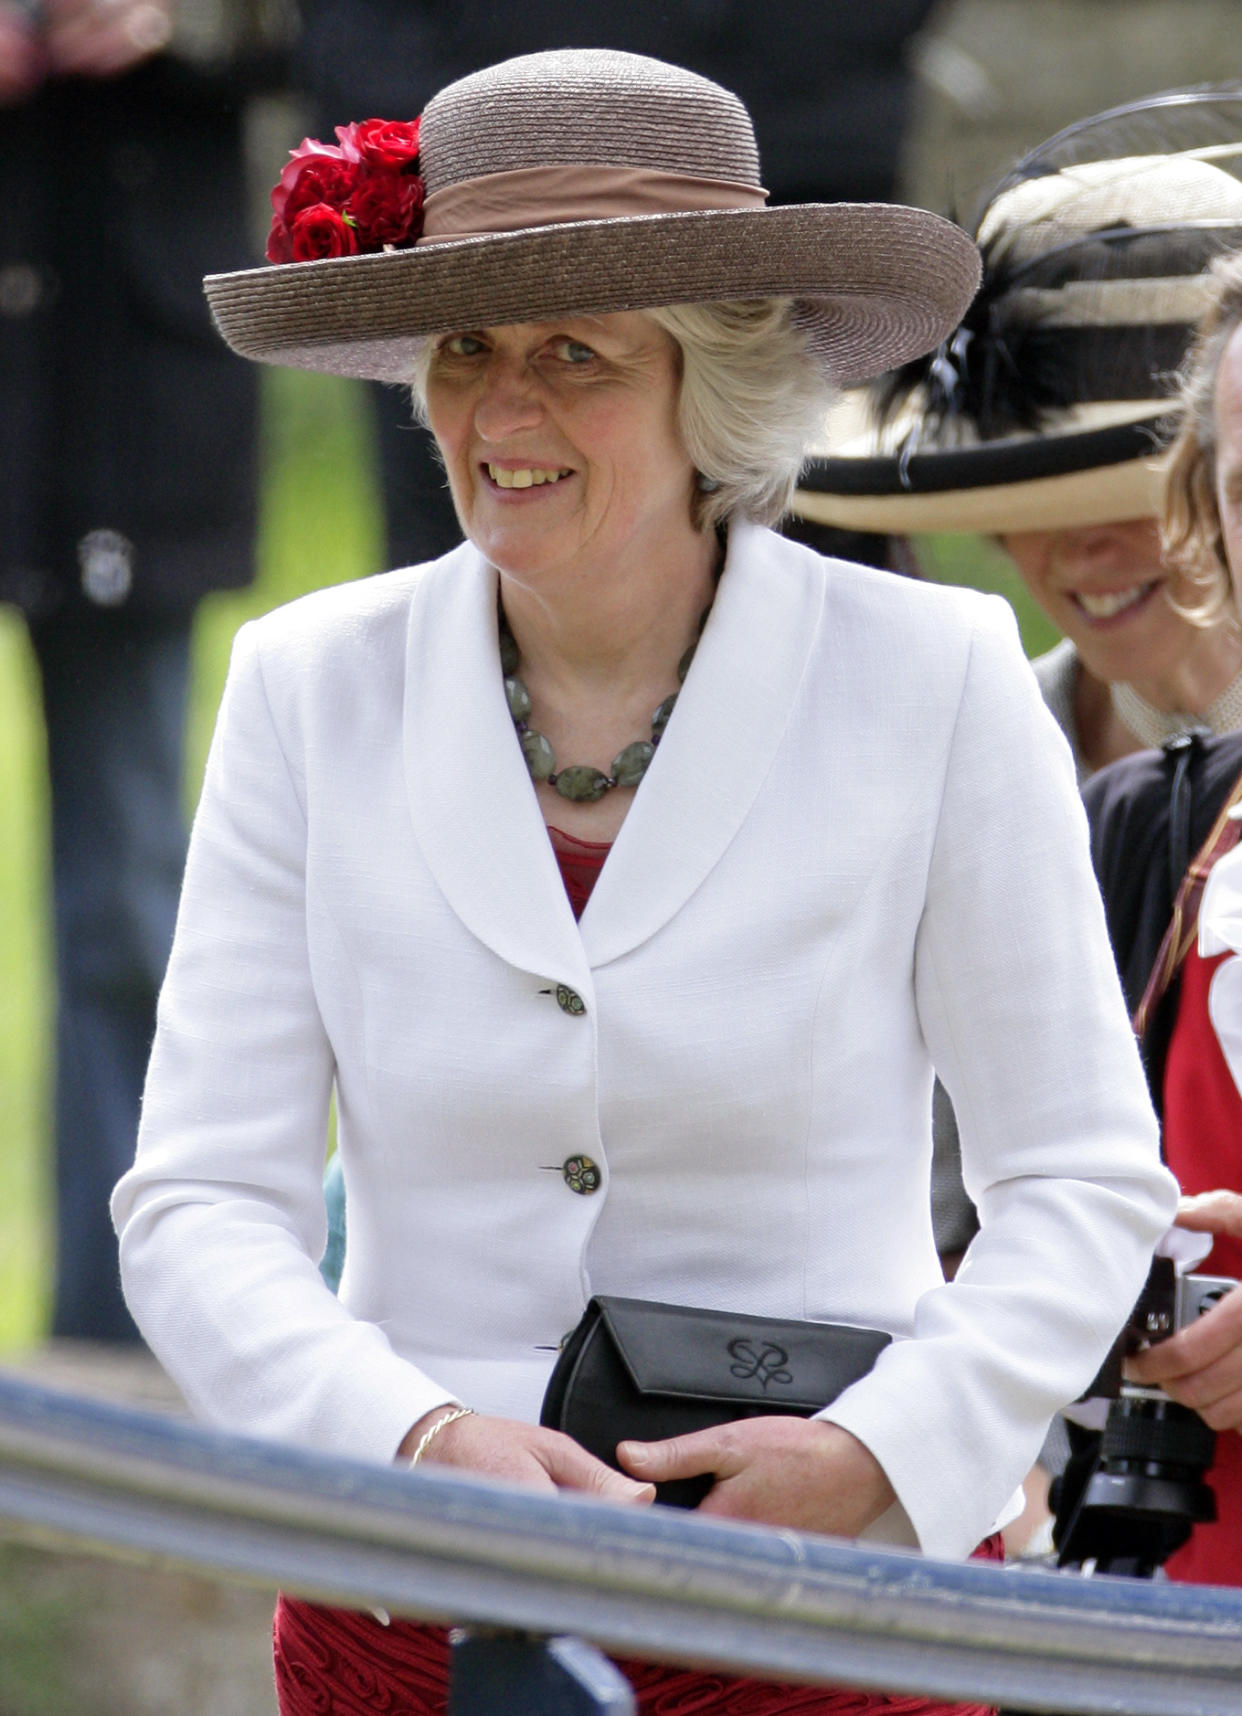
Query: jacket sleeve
221,1219
1021,1010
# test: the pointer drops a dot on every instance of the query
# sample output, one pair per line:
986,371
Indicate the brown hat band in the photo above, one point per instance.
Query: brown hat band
549,196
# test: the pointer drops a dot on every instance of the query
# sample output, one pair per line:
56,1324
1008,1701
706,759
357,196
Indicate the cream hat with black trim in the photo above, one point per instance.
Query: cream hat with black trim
1049,404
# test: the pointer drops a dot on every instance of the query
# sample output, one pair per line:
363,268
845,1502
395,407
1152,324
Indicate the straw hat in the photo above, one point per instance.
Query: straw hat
585,181
1048,406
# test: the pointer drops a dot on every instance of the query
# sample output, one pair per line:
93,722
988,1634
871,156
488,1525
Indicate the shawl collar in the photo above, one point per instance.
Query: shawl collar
474,809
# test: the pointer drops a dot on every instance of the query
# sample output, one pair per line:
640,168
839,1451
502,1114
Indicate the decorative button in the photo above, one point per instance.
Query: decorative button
580,1174
569,1001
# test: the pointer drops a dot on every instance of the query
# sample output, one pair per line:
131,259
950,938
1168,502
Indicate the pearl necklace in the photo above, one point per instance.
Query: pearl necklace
580,782
1155,727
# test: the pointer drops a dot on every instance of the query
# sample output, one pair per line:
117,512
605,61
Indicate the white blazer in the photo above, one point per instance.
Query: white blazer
1220,931
858,855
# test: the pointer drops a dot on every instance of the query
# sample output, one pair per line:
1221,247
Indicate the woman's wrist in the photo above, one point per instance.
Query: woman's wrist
421,1435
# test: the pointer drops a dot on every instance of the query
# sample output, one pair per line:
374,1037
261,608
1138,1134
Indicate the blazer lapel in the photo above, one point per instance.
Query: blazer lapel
474,810
719,746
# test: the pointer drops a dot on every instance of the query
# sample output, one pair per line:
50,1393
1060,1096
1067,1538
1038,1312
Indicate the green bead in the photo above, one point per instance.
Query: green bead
581,783
508,651
683,666
540,757
659,721
519,698
630,765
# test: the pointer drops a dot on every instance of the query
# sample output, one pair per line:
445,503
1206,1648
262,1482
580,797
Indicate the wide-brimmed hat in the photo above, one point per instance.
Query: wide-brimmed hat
586,182
1048,407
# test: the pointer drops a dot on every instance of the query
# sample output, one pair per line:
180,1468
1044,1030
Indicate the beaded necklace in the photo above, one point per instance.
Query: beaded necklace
1156,726
580,782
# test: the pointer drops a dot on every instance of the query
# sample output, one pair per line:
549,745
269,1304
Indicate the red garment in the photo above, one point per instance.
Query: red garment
1203,1147
338,1662
580,863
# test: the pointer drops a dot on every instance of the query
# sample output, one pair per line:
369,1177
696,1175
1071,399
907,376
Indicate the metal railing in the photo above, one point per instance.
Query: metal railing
653,1584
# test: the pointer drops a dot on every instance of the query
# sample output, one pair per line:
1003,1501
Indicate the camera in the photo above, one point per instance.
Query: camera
1133,1494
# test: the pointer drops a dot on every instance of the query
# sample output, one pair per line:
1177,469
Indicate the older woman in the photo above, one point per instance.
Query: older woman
778,792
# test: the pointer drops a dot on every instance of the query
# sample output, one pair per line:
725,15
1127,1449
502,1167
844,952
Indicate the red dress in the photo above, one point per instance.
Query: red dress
1203,1147
339,1662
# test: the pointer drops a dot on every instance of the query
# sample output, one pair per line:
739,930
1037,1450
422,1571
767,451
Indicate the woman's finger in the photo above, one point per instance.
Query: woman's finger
571,1468
703,1451
1212,1212
1200,1366
527,1454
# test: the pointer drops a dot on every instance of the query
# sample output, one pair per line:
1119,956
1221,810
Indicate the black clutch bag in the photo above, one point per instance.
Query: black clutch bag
636,1368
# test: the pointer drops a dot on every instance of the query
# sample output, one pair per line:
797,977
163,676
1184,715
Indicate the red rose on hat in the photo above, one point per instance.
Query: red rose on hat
369,182
389,144
321,231
314,173
386,209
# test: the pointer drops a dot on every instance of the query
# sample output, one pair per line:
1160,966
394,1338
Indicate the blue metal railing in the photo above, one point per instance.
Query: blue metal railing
653,1584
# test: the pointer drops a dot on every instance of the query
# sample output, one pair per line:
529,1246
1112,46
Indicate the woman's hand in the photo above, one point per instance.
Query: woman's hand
525,1454
103,38
21,55
799,1472
1201,1366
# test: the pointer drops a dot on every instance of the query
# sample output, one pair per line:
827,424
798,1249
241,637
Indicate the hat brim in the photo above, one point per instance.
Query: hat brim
877,284
1042,482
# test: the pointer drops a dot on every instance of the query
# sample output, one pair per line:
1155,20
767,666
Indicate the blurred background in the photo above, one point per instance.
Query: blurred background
986,80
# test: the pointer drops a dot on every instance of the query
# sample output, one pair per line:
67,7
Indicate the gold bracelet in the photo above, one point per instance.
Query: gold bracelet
429,1436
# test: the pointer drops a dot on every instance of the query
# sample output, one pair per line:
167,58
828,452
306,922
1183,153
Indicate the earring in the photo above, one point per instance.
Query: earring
706,485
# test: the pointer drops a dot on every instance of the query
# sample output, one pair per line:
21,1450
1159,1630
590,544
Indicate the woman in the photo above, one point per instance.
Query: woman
1155,820
706,1089
1037,420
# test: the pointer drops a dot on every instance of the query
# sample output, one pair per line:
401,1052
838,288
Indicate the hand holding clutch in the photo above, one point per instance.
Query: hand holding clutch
797,1472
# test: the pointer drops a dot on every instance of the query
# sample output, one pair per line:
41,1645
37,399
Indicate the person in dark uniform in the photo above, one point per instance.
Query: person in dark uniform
127,442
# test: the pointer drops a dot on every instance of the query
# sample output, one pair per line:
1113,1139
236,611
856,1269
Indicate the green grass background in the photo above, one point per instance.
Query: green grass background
320,524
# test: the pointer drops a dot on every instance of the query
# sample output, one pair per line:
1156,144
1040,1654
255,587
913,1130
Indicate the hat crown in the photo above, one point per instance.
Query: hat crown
586,107
1036,215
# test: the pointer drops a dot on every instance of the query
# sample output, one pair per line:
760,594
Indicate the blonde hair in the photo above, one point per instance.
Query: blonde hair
1190,530
753,398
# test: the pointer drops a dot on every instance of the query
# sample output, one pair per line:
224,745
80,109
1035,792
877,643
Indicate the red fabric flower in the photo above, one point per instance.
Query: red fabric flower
313,174
364,194
279,243
322,231
390,144
387,209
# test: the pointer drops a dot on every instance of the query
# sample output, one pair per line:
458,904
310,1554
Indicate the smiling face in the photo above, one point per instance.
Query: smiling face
561,444
1106,588
1228,416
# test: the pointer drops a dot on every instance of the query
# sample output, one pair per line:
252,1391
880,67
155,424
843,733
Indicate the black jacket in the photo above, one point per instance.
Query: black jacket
1149,815
124,419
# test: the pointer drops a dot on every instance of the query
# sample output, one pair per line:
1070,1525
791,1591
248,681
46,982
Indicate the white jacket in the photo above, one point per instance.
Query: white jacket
858,854
1220,931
